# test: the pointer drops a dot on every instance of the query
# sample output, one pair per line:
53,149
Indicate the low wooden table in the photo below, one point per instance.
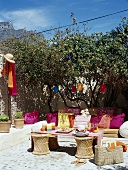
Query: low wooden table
98,135
53,142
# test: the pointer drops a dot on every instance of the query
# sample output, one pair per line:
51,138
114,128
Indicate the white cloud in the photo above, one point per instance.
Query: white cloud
30,19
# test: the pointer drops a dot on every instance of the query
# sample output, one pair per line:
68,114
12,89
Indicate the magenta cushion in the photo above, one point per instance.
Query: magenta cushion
106,111
52,117
95,119
117,121
31,117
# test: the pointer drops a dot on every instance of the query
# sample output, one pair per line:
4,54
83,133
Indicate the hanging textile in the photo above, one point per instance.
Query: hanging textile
73,88
55,89
80,87
9,69
13,89
103,88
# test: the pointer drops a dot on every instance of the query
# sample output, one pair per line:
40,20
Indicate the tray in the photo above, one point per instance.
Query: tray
65,130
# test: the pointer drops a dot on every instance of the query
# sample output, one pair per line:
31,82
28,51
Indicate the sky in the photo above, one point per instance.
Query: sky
42,15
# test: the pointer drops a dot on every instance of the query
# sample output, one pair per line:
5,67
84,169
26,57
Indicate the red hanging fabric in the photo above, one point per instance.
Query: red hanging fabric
73,88
103,88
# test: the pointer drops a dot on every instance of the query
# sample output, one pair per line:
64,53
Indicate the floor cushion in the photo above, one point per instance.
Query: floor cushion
123,130
95,119
117,121
106,110
52,117
76,111
105,121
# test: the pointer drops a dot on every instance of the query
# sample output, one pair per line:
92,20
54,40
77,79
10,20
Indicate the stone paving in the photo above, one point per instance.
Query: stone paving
18,158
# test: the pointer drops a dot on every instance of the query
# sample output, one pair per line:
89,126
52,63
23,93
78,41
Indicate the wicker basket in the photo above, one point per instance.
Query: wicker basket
103,156
84,147
40,144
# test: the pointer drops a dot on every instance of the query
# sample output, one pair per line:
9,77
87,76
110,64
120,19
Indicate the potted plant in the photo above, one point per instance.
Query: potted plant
5,123
19,120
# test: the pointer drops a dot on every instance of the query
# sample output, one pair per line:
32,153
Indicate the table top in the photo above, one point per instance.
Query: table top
54,133
71,133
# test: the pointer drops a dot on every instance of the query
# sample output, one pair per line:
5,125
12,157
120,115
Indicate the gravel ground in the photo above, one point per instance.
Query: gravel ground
18,158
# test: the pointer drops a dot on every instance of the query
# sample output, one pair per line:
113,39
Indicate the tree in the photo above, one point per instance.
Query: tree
71,57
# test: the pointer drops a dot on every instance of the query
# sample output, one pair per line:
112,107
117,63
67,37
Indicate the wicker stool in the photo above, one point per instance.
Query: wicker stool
40,144
53,143
84,147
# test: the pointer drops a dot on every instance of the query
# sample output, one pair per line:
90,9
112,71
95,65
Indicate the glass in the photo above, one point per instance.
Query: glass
49,127
44,127
71,120
53,126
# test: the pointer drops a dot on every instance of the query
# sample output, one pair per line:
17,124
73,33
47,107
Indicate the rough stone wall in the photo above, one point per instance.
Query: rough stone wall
4,98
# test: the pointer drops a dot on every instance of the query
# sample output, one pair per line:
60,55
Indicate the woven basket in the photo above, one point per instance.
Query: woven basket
40,144
105,157
84,147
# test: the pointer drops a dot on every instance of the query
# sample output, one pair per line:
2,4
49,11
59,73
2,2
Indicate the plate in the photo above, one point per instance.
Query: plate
81,134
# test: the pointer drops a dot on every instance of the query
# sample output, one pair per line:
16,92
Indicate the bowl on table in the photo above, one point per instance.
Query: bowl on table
81,134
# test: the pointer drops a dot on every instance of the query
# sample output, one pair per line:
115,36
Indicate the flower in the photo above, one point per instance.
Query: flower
85,112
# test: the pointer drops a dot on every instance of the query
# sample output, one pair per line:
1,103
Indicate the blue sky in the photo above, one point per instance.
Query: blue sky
41,15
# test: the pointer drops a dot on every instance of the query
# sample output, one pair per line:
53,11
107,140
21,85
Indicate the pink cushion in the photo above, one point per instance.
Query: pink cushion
117,121
105,121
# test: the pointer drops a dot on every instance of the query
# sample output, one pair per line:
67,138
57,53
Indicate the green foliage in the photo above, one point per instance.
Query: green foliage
4,118
19,115
72,55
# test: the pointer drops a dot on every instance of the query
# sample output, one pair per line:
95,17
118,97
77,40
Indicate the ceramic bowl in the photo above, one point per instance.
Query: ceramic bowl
82,134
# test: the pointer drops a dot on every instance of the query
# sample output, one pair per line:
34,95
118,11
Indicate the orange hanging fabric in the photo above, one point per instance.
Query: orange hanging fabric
80,87
10,75
8,69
